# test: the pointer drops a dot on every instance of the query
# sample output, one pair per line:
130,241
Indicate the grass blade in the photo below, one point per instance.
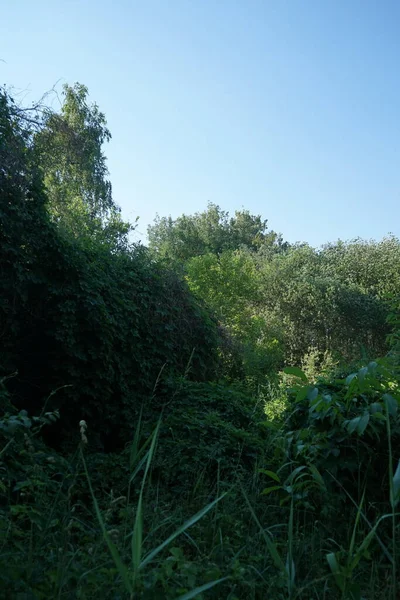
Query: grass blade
201,589
180,530
135,444
137,537
270,544
123,571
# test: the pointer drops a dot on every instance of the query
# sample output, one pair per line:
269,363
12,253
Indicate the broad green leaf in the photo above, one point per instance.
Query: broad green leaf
362,425
312,394
296,372
336,570
294,473
352,425
301,394
271,489
317,476
271,474
362,373
22,484
391,404
350,378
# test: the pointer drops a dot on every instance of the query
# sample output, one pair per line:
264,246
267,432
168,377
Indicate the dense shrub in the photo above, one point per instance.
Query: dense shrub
341,426
78,316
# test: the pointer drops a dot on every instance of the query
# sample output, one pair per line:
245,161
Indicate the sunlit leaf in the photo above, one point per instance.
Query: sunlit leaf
296,372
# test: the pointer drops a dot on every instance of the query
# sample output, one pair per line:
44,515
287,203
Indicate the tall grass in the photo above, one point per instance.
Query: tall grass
140,558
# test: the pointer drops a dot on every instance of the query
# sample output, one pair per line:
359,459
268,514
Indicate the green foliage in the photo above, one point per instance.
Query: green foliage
275,301
210,232
340,426
230,285
224,491
210,429
80,314
69,151
318,307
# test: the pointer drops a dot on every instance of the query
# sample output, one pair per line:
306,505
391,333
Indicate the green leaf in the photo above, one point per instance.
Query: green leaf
362,425
180,530
317,476
271,489
301,394
271,474
350,378
294,473
396,486
336,570
312,394
391,404
272,548
358,424
362,373
296,372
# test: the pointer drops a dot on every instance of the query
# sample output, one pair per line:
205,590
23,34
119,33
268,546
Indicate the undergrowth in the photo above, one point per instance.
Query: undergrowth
303,506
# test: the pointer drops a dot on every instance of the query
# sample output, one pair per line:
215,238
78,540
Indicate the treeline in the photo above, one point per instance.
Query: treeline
280,303
217,296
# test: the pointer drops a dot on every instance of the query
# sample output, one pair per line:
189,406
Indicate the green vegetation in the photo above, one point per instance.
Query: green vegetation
214,416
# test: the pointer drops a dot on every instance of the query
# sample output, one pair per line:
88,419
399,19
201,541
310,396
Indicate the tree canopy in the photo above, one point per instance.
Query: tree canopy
69,148
211,231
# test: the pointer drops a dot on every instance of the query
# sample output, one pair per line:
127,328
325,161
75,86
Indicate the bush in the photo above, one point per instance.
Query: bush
341,426
76,315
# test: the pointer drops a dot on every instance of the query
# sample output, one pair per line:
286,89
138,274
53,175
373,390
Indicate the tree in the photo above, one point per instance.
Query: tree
68,146
212,231
321,308
99,323
230,285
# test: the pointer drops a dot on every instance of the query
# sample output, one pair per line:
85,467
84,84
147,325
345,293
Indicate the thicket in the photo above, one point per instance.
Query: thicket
83,325
215,416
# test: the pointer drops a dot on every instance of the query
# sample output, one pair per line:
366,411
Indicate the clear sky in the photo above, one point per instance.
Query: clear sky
290,109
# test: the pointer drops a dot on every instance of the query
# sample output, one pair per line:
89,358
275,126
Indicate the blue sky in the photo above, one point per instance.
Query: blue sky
290,109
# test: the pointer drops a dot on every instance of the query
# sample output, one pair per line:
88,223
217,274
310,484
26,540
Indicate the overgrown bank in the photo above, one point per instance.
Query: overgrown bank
158,438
